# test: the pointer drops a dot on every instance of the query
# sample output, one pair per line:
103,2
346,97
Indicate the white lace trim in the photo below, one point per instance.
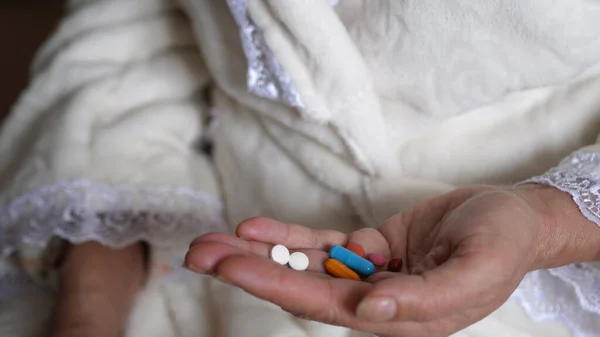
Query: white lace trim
266,77
578,176
569,294
115,216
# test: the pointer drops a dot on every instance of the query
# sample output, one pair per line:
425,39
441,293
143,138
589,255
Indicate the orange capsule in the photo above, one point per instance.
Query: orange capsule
338,269
356,249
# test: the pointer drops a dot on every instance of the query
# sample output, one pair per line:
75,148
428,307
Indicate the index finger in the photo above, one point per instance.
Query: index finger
290,235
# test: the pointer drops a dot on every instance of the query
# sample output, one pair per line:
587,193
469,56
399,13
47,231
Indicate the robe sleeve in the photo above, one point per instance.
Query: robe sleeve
105,143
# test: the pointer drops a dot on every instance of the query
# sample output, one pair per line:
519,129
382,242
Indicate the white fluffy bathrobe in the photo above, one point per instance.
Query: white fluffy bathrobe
324,113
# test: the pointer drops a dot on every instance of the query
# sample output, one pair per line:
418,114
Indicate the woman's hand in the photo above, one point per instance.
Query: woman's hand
465,252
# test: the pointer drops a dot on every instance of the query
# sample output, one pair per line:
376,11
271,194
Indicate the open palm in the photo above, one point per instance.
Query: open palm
464,252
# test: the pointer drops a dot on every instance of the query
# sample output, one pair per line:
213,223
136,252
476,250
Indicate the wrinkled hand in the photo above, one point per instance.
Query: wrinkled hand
465,252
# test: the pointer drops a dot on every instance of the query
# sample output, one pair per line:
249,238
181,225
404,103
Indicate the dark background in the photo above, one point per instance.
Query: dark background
24,25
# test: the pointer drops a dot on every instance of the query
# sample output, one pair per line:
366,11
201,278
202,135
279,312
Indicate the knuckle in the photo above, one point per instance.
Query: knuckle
315,239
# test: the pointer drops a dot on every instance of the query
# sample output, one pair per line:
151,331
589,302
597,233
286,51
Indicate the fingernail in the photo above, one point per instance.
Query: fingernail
193,268
218,277
377,309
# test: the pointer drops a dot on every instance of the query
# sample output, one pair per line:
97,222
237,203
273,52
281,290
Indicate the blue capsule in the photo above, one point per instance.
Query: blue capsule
349,259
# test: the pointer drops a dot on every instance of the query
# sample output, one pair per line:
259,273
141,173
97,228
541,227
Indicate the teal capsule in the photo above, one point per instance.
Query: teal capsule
355,262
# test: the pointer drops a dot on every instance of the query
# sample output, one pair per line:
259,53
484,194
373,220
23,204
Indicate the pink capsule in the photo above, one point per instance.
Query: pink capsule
377,259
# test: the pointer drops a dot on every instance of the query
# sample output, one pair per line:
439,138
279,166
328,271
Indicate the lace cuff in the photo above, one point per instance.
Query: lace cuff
115,216
577,175
570,294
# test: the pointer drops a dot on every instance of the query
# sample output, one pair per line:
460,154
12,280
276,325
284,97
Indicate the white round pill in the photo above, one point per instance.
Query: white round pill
298,261
280,254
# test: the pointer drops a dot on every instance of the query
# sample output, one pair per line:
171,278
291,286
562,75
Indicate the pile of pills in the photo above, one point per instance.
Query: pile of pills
344,262
350,262
297,260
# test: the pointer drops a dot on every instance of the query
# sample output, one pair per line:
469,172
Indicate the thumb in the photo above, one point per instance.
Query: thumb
458,284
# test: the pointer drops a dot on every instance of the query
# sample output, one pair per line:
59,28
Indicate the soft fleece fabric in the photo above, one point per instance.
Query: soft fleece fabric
403,100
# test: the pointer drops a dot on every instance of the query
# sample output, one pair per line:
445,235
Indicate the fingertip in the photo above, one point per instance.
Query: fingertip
196,241
191,262
204,257
250,228
214,236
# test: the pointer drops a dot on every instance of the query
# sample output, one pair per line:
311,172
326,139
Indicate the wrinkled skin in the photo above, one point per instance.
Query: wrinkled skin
465,252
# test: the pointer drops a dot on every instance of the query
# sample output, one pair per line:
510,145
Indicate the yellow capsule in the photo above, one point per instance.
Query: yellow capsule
338,269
